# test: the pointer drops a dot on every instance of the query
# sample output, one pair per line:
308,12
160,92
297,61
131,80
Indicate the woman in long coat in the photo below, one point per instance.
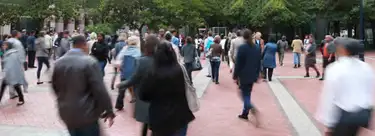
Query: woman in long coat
310,59
14,72
269,58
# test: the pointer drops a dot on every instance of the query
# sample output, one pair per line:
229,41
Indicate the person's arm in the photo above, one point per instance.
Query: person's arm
135,77
231,50
182,51
98,89
240,58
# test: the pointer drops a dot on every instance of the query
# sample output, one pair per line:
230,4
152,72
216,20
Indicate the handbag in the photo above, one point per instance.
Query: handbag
191,95
197,63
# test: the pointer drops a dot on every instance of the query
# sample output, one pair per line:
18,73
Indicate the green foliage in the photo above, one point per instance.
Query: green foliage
100,28
10,13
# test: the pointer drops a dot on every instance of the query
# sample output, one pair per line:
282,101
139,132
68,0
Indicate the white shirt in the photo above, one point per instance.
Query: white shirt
348,85
49,41
222,43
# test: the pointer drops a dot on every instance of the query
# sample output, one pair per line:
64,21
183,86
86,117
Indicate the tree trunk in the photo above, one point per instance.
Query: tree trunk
349,27
336,28
141,38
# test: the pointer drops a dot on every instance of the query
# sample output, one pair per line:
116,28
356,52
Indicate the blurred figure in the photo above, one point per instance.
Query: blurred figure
348,93
269,58
14,75
144,68
165,90
216,51
297,46
118,47
31,49
56,44
48,42
17,45
234,45
258,40
111,47
23,39
310,58
282,46
168,37
188,52
161,34
207,46
126,60
82,97
246,73
329,50
93,39
64,44
175,39
42,53
100,51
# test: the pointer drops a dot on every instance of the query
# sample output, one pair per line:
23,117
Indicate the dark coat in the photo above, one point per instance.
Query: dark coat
269,55
169,110
247,66
100,51
142,70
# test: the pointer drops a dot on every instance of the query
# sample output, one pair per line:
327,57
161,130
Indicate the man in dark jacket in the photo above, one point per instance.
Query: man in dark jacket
31,49
143,68
82,97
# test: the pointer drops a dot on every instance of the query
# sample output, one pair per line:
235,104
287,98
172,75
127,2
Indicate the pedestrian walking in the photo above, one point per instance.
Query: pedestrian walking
31,50
207,45
42,53
329,50
48,42
56,45
126,61
234,45
82,97
166,93
297,46
100,51
246,73
269,58
168,37
141,74
188,52
14,75
347,98
216,51
118,47
93,39
64,44
310,58
282,47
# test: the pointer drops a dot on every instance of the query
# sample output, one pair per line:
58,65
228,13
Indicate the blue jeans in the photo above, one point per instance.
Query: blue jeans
297,58
102,65
246,90
215,66
89,130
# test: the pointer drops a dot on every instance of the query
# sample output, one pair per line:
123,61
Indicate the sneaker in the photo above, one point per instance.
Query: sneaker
38,83
306,76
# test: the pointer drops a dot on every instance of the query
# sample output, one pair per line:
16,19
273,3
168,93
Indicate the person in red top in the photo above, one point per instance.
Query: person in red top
328,53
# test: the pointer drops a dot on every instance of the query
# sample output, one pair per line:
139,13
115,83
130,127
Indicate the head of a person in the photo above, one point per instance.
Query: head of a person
239,33
347,47
122,37
101,37
174,32
161,32
79,42
150,43
296,37
164,54
189,40
93,36
209,34
258,35
328,38
7,45
15,34
23,31
60,35
132,41
66,34
217,39
306,36
168,36
272,39
311,39
4,37
248,36
32,33
114,39
283,38
41,34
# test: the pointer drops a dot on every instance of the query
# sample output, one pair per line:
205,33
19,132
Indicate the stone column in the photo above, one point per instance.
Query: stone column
60,25
53,23
82,21
5,29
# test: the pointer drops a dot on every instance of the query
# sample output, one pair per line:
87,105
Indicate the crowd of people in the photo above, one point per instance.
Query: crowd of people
163,66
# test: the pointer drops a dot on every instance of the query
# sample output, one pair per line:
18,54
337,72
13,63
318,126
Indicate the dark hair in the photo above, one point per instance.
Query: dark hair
14,33
165,55
150,43
114,39
217,39
78,40
239,33
32,32
248,36
168,36
296,37
173,31
189,40
272,38
103,37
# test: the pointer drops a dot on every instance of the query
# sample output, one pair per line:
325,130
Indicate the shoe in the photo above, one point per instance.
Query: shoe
243,117
20,103
307,75
38,83
216,82
32,67
317,75
208,76
299,65
295,66
321,79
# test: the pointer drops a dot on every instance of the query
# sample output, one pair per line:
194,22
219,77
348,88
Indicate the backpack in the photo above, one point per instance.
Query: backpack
209,43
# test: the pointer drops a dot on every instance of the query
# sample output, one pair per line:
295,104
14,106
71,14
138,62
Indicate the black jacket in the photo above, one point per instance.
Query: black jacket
100,51
247,66
169,110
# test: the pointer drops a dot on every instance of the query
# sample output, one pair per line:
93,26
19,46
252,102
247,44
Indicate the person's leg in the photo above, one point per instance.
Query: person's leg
281,57
114,78
295,59
209,68
212,70
182,131
29,56
89,130
32,55
144,129
264,73
40,65
316,70
188,67
18,89
217,70
25,65
246,97
270,73
2,89
325,63
102,66
120,98
131,91
299,59
307,71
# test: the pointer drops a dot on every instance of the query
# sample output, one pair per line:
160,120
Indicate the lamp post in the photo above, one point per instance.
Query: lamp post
362,30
